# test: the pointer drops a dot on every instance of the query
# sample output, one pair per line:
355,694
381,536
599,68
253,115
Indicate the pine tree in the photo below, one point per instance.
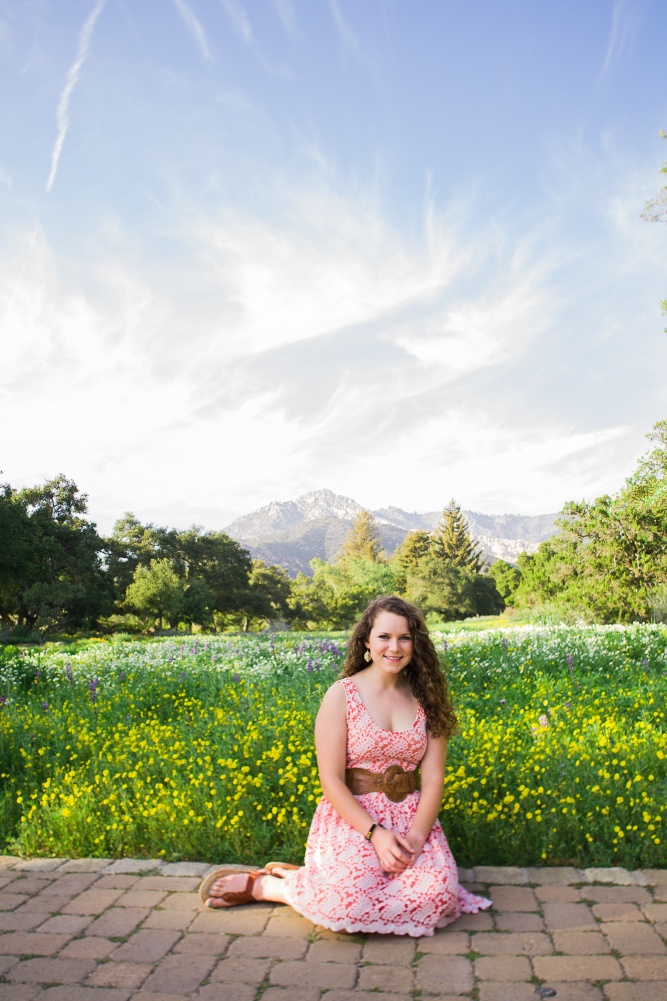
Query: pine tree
452,540
363,540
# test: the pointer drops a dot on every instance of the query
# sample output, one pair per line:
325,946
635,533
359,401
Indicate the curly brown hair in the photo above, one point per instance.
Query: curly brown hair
427,681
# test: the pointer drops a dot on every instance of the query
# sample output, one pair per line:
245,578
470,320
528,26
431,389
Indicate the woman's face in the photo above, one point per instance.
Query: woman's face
390,642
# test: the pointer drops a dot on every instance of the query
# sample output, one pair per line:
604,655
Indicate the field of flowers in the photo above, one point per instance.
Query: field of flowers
202,748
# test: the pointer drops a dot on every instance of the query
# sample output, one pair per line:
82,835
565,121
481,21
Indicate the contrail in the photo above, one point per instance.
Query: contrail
194,27
62,113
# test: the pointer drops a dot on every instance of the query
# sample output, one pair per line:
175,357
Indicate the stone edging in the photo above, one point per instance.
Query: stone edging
483,874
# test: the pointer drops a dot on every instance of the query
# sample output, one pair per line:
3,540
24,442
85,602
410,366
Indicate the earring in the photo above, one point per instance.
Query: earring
368,656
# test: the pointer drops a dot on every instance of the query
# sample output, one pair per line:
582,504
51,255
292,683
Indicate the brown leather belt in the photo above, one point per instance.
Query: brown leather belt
394,782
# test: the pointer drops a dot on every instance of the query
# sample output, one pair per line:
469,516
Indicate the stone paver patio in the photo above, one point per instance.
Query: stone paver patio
102,930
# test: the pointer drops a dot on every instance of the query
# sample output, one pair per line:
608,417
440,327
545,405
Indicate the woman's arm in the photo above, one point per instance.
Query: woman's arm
331,744
432,783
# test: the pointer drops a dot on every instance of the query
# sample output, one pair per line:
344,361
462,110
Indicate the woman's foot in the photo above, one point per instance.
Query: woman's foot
280,869
236,888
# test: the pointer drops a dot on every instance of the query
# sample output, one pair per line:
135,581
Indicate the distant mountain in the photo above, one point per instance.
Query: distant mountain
292,533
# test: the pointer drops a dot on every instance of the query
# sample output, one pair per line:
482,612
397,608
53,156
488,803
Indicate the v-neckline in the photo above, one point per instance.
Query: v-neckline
377,725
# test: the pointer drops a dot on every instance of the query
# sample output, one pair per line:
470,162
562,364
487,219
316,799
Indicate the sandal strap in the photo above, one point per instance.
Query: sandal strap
243,896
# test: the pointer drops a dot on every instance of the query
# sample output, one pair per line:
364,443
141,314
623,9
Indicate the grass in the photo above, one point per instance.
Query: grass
202,748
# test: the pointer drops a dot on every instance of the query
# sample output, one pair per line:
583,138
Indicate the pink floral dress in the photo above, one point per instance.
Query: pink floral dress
342,885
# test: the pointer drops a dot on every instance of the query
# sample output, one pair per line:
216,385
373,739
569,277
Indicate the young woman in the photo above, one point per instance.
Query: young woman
377,859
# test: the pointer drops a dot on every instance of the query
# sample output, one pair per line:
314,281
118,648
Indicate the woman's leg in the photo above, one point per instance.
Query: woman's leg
264,888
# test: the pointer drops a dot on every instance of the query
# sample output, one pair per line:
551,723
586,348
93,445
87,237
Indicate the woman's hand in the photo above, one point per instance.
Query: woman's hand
393,850
416,842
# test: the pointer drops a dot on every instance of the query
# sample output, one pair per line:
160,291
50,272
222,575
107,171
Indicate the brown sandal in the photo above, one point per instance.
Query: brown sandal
231,897
270,867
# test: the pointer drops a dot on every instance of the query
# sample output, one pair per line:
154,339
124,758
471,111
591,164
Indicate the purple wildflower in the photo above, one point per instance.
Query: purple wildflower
236,678
645,662
504,643
68,672
45,706
3,700
182,675
309,665
122,676
38,674
570,661
444,644
92,688
503,701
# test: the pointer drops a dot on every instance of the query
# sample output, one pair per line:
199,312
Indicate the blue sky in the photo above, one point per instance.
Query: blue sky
251,248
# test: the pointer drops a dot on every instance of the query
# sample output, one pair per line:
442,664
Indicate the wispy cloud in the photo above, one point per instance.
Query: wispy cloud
239,19
193,25
5,178
349,39
625,18
286,13
62,111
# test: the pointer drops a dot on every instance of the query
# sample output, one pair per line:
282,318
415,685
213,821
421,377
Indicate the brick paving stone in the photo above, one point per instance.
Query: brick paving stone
447,943
506,991
220,992
85,865
203,945
39,864
475,887
258,947
8,901
69,884
157,996
7,878
117,922
367,996
503,968
474,922
185,869
251,920
6,861
519,922
129,975
142,898
634,939
388,978
66,924
286,923
21,920
558,894
172,884
444,974
32,943
280,994
84,994
568,917
117,882
18,992
6,963
178,901
333,952
617,894
554,968
88,948
169,919
239,971
614,874
654,877
390,949
180,974
51,971
500,874
618,912
92,901
146,946
324,975
513,898
135,865
31,884
555,875
45,905
655,991
645,967
581,943
526,944
655,912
